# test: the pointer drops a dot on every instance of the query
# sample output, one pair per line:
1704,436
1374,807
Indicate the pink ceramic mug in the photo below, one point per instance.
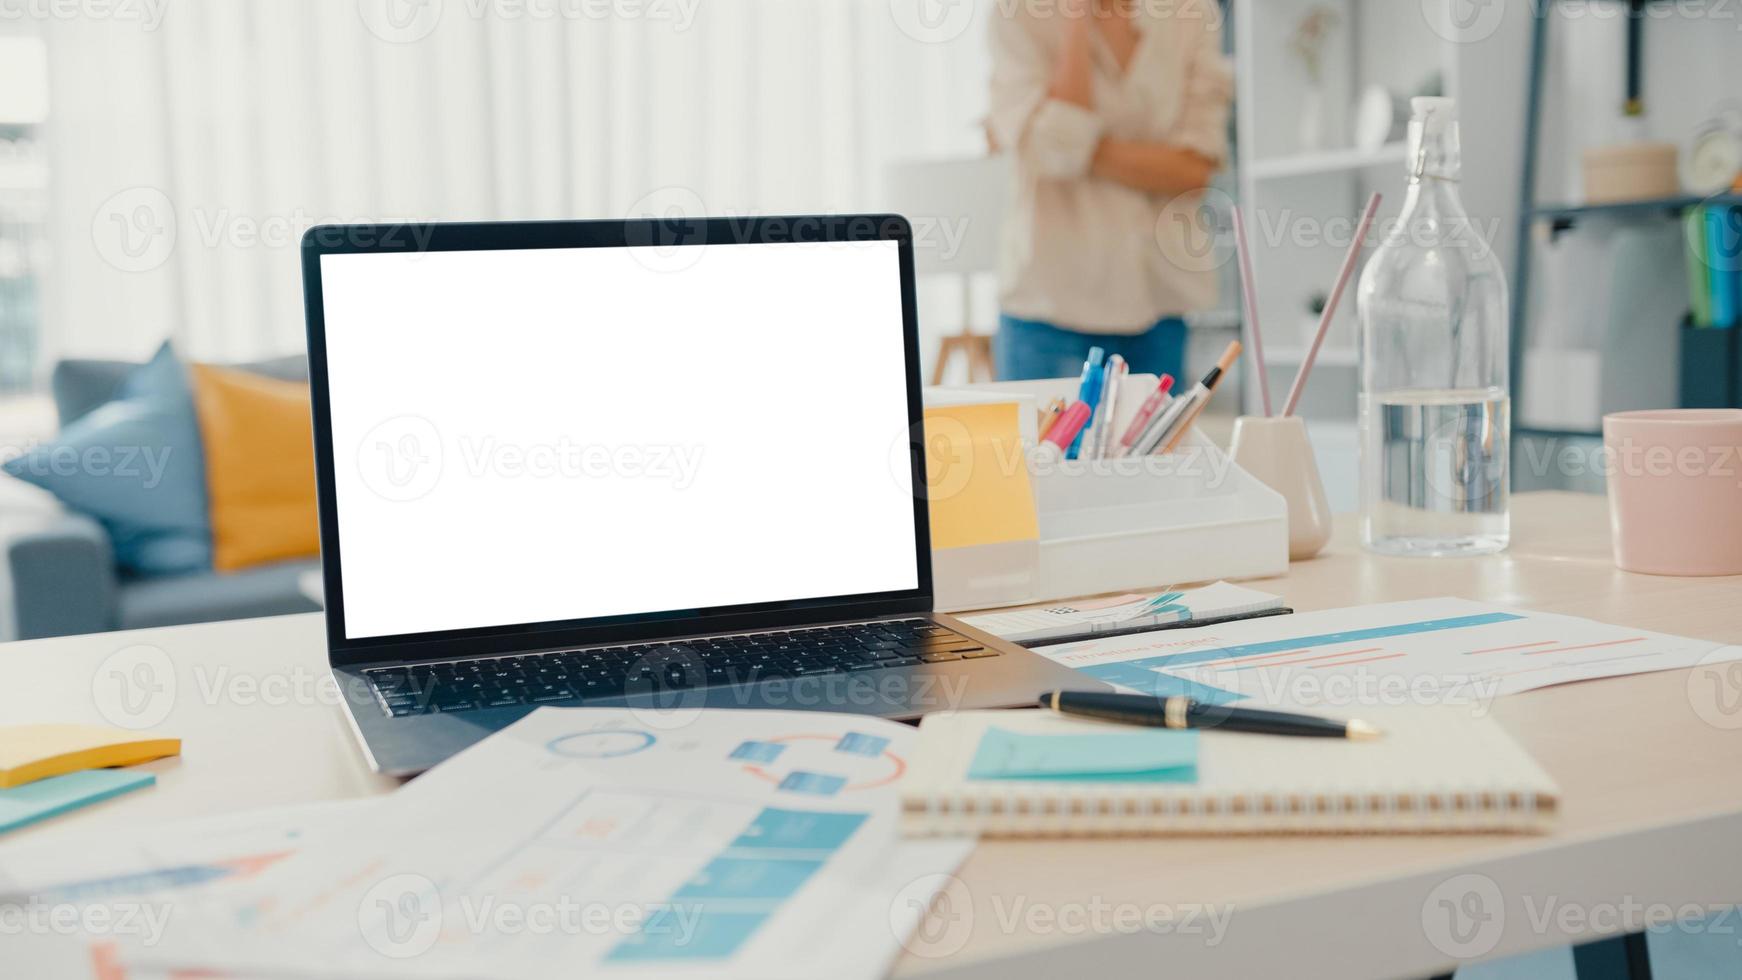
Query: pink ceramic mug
1675,490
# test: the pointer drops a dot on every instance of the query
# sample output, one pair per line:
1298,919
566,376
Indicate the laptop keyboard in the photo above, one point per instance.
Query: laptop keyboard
652,668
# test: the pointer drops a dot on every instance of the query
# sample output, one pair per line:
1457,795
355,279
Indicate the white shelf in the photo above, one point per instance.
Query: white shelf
1328,162
1328,356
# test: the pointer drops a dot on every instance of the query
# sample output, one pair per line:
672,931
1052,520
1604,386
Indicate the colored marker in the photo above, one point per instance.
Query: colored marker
1145,412
1065,431
1089,393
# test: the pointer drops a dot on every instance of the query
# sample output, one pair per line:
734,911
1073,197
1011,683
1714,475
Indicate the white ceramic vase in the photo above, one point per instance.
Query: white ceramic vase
1277,452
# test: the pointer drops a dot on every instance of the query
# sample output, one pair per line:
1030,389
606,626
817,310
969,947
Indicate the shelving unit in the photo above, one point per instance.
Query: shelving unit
1332,161
1301,204
1560,218
1672,206
1283,189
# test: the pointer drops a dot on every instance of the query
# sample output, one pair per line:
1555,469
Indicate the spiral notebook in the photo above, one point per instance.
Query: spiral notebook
1436,770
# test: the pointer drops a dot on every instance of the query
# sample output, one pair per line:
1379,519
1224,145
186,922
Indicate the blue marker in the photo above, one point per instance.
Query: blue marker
1089,393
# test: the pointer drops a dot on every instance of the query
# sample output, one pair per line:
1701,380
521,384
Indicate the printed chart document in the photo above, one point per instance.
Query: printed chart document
1080,619
73,901
604,842
1438,651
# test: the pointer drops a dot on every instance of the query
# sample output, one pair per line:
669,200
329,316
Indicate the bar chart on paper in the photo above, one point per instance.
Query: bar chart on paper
607,841
1425,651
120,874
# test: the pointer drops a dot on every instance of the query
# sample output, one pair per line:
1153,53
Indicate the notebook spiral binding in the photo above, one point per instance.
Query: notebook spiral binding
1015,814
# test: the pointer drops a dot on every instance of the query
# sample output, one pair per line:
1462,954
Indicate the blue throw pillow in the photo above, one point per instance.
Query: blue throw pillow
137,466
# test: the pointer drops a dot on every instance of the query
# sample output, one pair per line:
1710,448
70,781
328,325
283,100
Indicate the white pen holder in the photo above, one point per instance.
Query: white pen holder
1192,515
1277,451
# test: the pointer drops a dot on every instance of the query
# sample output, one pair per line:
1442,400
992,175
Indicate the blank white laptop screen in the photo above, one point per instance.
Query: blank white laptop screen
523,436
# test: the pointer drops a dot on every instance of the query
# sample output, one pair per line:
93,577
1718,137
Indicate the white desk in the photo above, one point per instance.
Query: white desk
1651,768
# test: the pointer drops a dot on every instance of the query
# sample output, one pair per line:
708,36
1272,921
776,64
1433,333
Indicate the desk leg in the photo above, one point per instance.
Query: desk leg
1615,958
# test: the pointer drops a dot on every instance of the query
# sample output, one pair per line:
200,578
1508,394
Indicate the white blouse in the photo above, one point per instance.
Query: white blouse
1083,252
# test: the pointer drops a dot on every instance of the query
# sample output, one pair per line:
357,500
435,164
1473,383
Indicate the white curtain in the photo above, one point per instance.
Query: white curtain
189,153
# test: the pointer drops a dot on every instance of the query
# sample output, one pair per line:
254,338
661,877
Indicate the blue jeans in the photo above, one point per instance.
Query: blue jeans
1029,349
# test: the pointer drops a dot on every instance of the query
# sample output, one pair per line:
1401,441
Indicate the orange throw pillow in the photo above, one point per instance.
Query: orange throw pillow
260,467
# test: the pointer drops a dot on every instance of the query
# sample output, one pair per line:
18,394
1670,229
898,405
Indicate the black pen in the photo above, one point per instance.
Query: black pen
1181,712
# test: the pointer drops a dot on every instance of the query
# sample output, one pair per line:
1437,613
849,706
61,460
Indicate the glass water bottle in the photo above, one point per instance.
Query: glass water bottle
1435,410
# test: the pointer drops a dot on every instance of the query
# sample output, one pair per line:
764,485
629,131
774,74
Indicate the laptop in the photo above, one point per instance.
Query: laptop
664,465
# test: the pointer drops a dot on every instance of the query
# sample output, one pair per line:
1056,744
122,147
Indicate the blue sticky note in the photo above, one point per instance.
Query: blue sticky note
753,751
24,805
1142,755
805,830
817,783
859,743
762,878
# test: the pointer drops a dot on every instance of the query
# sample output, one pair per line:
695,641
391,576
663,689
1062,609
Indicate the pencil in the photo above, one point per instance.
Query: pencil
1050,414
1202,395
1348,270
1249,298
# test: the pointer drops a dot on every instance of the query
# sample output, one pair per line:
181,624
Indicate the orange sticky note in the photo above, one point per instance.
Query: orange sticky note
32,752
977,476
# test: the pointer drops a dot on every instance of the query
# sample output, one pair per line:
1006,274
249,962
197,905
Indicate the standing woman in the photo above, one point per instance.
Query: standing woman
1111,109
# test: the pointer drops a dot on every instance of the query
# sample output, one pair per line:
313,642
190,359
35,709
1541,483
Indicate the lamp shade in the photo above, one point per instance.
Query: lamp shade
956,206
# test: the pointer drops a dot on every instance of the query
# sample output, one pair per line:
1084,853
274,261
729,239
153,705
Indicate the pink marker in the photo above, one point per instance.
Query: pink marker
1145,412
1065,428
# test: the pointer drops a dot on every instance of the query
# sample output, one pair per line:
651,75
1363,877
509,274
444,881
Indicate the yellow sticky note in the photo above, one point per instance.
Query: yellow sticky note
977,476
32,752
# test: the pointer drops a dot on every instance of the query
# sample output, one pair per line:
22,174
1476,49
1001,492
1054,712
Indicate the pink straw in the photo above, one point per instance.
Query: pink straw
1312,353
1251,302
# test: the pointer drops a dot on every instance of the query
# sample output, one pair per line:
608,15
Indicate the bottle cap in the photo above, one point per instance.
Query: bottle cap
1433,138
1438,107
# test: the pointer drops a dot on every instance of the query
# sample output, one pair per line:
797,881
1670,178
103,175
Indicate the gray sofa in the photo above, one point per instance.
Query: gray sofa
61,565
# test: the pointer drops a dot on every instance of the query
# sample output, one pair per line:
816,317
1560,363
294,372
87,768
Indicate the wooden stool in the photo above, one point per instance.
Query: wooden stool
977,348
